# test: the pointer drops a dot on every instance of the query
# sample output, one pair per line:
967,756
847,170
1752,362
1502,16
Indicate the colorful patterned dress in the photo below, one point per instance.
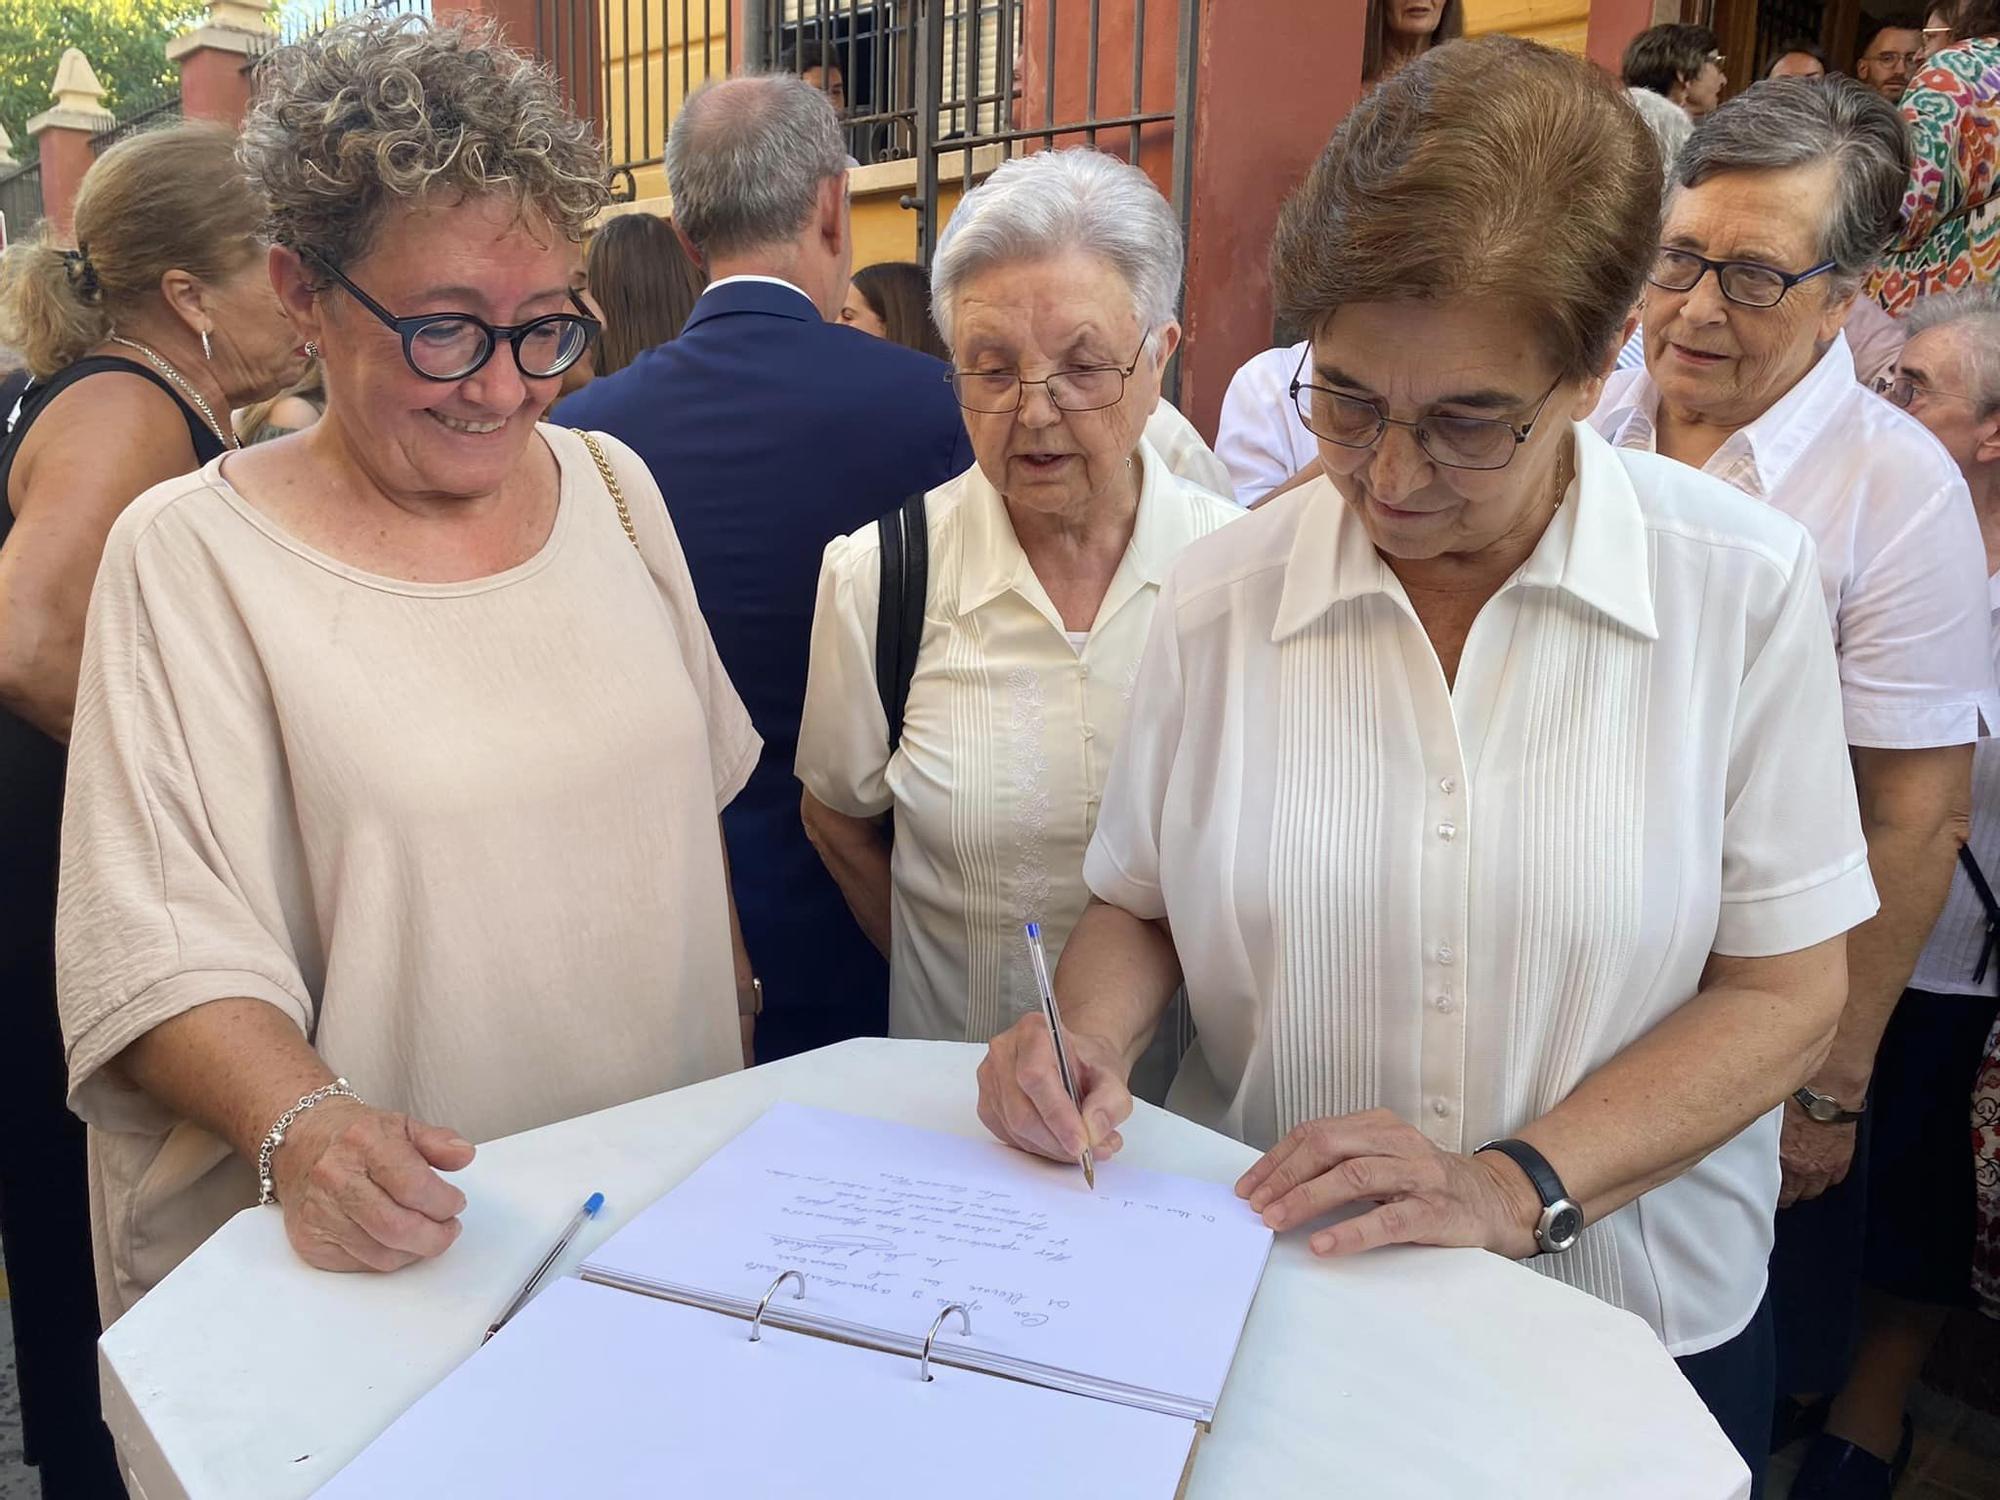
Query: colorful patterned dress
1951,229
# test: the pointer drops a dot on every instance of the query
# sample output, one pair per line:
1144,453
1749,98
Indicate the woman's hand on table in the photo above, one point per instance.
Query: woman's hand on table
1021,1096
360,1188
1422,1195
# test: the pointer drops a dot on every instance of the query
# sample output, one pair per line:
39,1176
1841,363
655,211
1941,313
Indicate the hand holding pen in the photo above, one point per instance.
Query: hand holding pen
1023,1100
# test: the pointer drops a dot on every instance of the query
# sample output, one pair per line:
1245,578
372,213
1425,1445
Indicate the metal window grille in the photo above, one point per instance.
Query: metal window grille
301,18
158,107
21,201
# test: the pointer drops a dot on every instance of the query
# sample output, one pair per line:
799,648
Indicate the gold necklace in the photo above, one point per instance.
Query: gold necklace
227,439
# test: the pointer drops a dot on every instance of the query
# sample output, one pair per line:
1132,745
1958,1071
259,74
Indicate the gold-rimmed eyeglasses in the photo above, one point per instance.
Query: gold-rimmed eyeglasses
1083,388
1349,421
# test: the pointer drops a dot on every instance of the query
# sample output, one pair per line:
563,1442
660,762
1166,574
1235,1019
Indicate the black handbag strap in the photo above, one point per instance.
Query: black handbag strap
1984,891
899,609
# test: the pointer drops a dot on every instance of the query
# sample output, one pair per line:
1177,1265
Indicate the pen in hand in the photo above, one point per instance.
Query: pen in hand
1040,961
588,1211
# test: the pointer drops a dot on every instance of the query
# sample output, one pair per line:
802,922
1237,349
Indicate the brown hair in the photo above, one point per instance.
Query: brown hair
1493,168
380,110
1975,18
899,293
1375,34
642,277
168,200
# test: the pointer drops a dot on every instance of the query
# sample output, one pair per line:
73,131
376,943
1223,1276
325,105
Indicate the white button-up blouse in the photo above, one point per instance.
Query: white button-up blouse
1456,902
1901,563
1007,739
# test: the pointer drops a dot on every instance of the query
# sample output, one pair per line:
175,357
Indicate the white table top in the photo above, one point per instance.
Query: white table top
1403,1372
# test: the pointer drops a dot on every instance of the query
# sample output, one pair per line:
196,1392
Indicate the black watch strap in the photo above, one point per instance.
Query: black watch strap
1548,1187
1561,1219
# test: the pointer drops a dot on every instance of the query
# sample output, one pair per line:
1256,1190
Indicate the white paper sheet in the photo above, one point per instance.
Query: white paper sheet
596,1392
1136,1291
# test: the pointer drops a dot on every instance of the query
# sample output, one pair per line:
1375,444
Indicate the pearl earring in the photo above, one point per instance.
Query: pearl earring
207,349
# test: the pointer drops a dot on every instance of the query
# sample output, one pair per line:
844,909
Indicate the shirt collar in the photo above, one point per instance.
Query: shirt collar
748,277
1595,550
992,563
1756,458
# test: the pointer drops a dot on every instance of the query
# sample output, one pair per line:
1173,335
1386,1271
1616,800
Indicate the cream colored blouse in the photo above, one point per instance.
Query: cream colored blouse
463,835
1006,741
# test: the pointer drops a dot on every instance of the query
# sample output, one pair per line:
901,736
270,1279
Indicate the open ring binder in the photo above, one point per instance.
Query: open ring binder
757,1323
964,1328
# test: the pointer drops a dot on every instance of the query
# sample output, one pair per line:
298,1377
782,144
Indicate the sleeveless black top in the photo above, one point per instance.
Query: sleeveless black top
32,764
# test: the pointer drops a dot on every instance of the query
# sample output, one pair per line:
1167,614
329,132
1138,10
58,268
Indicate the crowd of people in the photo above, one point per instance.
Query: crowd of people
1531,778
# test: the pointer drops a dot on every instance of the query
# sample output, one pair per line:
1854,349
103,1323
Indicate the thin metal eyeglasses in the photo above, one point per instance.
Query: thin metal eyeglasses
1455,442
1901,390
453,346
1748,283
1088,388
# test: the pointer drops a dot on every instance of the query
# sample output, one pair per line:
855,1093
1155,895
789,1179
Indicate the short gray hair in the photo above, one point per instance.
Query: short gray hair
745,160
1802,122
1977,310
1053,202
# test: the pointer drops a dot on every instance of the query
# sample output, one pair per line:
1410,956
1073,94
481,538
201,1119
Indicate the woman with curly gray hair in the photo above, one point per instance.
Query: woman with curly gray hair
400,741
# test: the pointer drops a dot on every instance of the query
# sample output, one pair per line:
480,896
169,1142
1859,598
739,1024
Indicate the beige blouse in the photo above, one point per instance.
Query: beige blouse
464,835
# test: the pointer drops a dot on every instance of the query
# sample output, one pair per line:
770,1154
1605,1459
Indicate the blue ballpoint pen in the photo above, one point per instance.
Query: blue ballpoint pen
1040,961
588,1211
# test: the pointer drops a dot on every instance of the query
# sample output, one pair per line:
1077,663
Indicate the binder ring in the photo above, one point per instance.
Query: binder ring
964,1328
757,1323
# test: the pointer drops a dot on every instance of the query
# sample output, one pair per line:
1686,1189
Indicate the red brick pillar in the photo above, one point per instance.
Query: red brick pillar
215,58
1275,77
62,135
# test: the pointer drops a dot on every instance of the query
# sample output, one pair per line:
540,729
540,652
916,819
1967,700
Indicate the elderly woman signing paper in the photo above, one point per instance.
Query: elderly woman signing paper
1055,287
1462,785
400,742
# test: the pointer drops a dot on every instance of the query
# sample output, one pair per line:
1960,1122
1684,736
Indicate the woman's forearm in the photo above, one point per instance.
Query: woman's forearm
1117,976
1754,1033
857,857
40,657
230,1066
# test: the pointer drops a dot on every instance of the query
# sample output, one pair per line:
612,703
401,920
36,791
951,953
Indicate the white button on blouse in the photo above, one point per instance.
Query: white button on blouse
1007,739
1645,735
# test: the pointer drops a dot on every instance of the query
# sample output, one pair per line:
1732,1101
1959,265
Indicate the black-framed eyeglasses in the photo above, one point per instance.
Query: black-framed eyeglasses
453,346
1455,442
1901,390
1748,283
1087,388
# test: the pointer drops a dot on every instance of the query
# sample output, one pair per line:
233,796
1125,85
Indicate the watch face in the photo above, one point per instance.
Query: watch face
1561,1224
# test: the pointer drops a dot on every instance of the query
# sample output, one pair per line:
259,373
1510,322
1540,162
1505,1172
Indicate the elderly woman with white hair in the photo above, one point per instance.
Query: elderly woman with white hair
1033,575
1782,200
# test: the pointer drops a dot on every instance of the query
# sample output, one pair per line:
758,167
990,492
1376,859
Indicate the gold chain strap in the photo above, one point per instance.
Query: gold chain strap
610,483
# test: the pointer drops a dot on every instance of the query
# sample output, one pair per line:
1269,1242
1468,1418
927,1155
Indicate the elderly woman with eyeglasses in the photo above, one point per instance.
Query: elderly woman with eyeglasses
1780,204
1463,784
400,742
1054,286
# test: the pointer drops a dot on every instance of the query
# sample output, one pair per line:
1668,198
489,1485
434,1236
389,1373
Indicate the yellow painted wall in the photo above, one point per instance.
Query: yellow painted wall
649,47
1557,23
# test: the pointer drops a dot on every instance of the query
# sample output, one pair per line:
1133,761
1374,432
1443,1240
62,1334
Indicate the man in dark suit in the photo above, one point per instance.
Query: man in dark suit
772,431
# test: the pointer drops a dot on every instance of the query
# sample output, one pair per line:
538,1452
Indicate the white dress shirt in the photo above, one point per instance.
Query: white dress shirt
1901,562
1457,901
1007,739
1186,456
1261,437
1946,965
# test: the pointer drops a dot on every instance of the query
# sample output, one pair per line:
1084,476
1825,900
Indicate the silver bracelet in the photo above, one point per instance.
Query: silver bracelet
267,1190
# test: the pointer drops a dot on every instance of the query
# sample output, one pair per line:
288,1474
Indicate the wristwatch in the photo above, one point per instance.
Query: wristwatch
1825,1108
1561,1221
